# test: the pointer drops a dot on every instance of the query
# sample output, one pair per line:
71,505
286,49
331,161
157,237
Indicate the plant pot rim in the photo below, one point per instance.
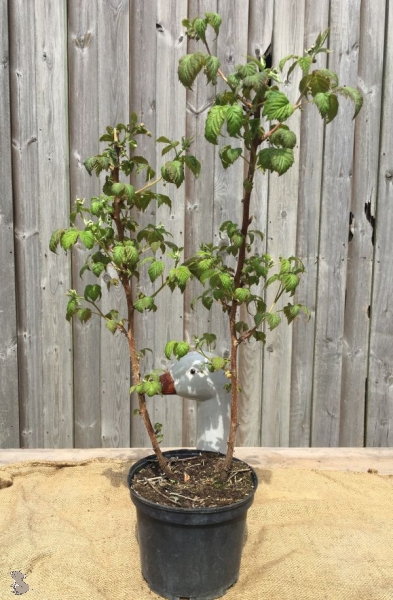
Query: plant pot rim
182,452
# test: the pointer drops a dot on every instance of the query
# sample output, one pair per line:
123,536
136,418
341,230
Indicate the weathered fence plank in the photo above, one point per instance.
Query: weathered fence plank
83,42
281,237
144,101
336,198
26,221
361,226
260,34
9,409
379,424
307,241
113,108
53,166
198,205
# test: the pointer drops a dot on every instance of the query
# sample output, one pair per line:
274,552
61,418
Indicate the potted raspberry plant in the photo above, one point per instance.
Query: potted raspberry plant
177,551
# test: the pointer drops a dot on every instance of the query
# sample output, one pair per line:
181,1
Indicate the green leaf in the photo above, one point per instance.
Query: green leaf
156,269
180,274
354,95
129,191
117,253
164,140
214,122
242,295
305,63
228,155
93,292
212,64
181,349
152,388
189,67
290,282
218,363
284,60
173,172
327,105
130,254
118,189
276,159
145,303
234,116
214,20
226,280
111,325
169,348
69,238
200,26
72,308
193,164
163,199
87,238
55,240
97,268
277,106
273,320
283,137
84,314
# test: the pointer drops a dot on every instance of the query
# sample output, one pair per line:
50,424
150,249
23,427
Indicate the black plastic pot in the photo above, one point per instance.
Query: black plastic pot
189,552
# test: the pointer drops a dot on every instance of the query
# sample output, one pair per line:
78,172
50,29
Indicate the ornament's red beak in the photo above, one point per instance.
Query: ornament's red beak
167,384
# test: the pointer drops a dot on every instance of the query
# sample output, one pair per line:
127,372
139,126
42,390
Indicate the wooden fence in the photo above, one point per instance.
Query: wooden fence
68,69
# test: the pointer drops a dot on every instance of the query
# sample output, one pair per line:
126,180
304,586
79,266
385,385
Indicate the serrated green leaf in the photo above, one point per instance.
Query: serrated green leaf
87,238
226,280
96,207
152,388
130,254
163,199
189,67
242,295
55,240
118,189
277,106
327,105
284,60
163,139
305,63
257,81
200,26
93,292
214,20
169,348
181,349
193,164
228,155
354,95
283,137
276,159
260,336
156,269
218,363
290,282
273,320
234,117
214,122
97,268
173,172
129,191
118,253
145,303
69,238
72,308
111,325
84,314
285,265
212,64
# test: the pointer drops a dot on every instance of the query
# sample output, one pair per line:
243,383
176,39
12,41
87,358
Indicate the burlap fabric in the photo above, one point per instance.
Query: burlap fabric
312,535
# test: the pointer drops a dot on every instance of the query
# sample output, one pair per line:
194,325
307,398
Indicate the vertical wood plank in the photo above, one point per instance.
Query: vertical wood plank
9,407
307,241
198,205
113,103
260,35
53,186
333,252
170,121
83,44
281,237
360,253
144,101
26,215
380,379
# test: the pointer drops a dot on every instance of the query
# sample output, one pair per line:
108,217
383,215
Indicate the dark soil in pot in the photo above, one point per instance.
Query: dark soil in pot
191,551
196,482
